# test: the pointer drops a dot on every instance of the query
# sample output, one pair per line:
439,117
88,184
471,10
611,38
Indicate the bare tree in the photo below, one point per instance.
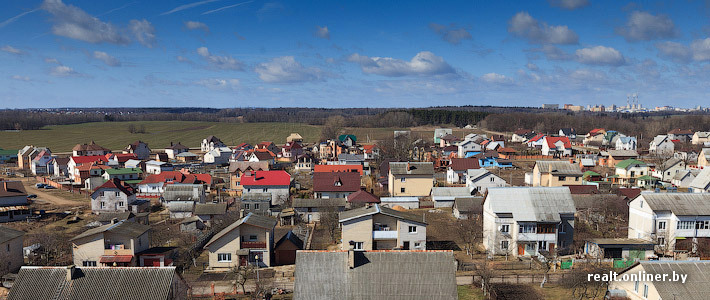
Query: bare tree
485,271
470,231
582,287
240,275
54,249
330,221
332,128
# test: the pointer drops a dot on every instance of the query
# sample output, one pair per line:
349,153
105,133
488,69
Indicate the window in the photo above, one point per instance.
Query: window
246,205
103,204
252,237
121,204
504,245
102,194
685,225
224,257
636,286
661,241
562,228
493,179
88,263
702,225
139,243
417,245
661,225
576,179
256,205
641,203
541,245
403,179
412,229
357,246
118,194
561,178
401,190
505,228
645,290
265,190
527,228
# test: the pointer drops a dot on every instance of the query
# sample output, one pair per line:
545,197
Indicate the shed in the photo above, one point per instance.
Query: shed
285,249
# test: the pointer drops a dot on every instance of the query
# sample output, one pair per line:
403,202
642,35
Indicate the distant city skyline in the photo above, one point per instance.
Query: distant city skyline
234,53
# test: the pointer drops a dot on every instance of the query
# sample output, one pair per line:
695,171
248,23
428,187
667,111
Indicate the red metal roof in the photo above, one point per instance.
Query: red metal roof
278,177
536,137
551,140
116,258
338,168
87,159
116,184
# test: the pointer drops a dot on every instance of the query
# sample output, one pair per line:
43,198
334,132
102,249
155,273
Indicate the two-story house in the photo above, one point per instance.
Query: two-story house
556,146
675,221
116,196
616,156
13,201
661,146
522,221
11,257
217,156
626,143
594,137
111,245
704,158
250,240
41,164
311,210
701,138
91,149
536,141
380,228
335,184
410,178
174,149
467,148
683,135
239,168
648,287
139,148
276,183
668,169
556,173
479,180
628,171
456,172
156,167
180,199
568,132
130,175
61,167
521,135
210,143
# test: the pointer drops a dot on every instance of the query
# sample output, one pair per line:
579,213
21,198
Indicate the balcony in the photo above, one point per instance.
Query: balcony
532,237
253,245
384,234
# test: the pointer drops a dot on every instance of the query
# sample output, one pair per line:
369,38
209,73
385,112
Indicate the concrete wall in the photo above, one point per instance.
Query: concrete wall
13,259
358,230
414,185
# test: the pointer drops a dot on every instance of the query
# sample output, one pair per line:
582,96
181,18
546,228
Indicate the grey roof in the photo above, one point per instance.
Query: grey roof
298,202
681,174
696,287
183,192
623,153
191,220
681,204
290,236
670,163
558,167
476,174
351,157
95,283
411,168
377,209
250,219
377,275
210,208
702,180
542,204
585,201
454,191
7,234
659,139
468,204
180,206
129,229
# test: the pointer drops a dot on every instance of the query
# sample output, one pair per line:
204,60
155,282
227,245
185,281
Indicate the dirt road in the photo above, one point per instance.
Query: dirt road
49,197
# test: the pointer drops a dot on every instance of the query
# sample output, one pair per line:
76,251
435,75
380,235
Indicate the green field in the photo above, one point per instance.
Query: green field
159,134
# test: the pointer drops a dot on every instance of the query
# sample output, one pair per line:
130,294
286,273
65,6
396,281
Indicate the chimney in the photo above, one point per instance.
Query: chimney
70,272
351,255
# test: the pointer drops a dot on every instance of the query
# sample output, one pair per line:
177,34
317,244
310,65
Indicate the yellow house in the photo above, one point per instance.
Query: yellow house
556,173
250,240
413,179
111,245
704,158
381,228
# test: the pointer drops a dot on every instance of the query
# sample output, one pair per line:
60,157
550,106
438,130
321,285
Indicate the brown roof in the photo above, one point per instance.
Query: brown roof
583,189
115,183
463,164
89,147
12,189
336,182
362,196
629,192
679,131
177,146
522,131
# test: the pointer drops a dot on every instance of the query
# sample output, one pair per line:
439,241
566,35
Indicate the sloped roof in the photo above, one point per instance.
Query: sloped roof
291,237
542,204
670,163
377,275
106,283
7,233
115,183
129,229
469,204
702,180
62,161
452,191
134,145
183,192
630,193
89,147
210,208
318,202
342,137
568,131
250,219
12,189
214,139
350,157
659,139
584,201
551,140
583,189
681,204
623,153
558,167
124,171
463,164
536,137
377,209
177,146
248,165
267,178
88,159
336,181
362,196
411,168
696,287
475,174
338,168
679,131
522,131
629,162
108,216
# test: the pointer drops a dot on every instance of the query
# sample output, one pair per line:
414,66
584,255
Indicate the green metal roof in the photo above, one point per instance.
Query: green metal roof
626,163
8,152
591,173
123,171
342,137
647,178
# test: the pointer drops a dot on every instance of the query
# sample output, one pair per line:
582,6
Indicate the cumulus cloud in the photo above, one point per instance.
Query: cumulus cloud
496,78
451,33
323,32
106,58
568,4
72,22
674,51
63,71
12,50
220,62
600,55
424,63
643,26
701,49
194,25
286,69
218,83
525,26
21,78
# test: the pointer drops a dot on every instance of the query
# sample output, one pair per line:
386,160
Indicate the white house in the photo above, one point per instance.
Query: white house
683,178
536,141
521,221
218,156
556,146
456,172
668,169
468,146
661,145
210,143
568,132
41,164
113,196
626,143
139,148
479,180
381,228
445,196
701,138
155,167
701,183
175,149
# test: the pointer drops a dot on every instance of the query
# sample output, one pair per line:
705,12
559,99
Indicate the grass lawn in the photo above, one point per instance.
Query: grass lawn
467,292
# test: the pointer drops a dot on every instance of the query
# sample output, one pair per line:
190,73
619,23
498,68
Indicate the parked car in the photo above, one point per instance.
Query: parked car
40,185
31,196
49,187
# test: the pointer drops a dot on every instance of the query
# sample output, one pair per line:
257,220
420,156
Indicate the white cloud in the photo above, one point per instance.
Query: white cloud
701,49
220,62
225,7
451,33
525,26
674,51
11,49
63,71
568,4
193,25
552,52
532,67
424,63
144,32
286,69
52,61
186,6
600,55
643,26
181,58
218,83
323,32
496,78
106,58
21,78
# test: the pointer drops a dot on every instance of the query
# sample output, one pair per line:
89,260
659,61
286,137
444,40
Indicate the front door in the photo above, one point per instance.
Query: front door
552,246
405,246
243,260
521,249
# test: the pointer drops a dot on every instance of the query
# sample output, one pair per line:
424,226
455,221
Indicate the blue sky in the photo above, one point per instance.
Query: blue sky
233,53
